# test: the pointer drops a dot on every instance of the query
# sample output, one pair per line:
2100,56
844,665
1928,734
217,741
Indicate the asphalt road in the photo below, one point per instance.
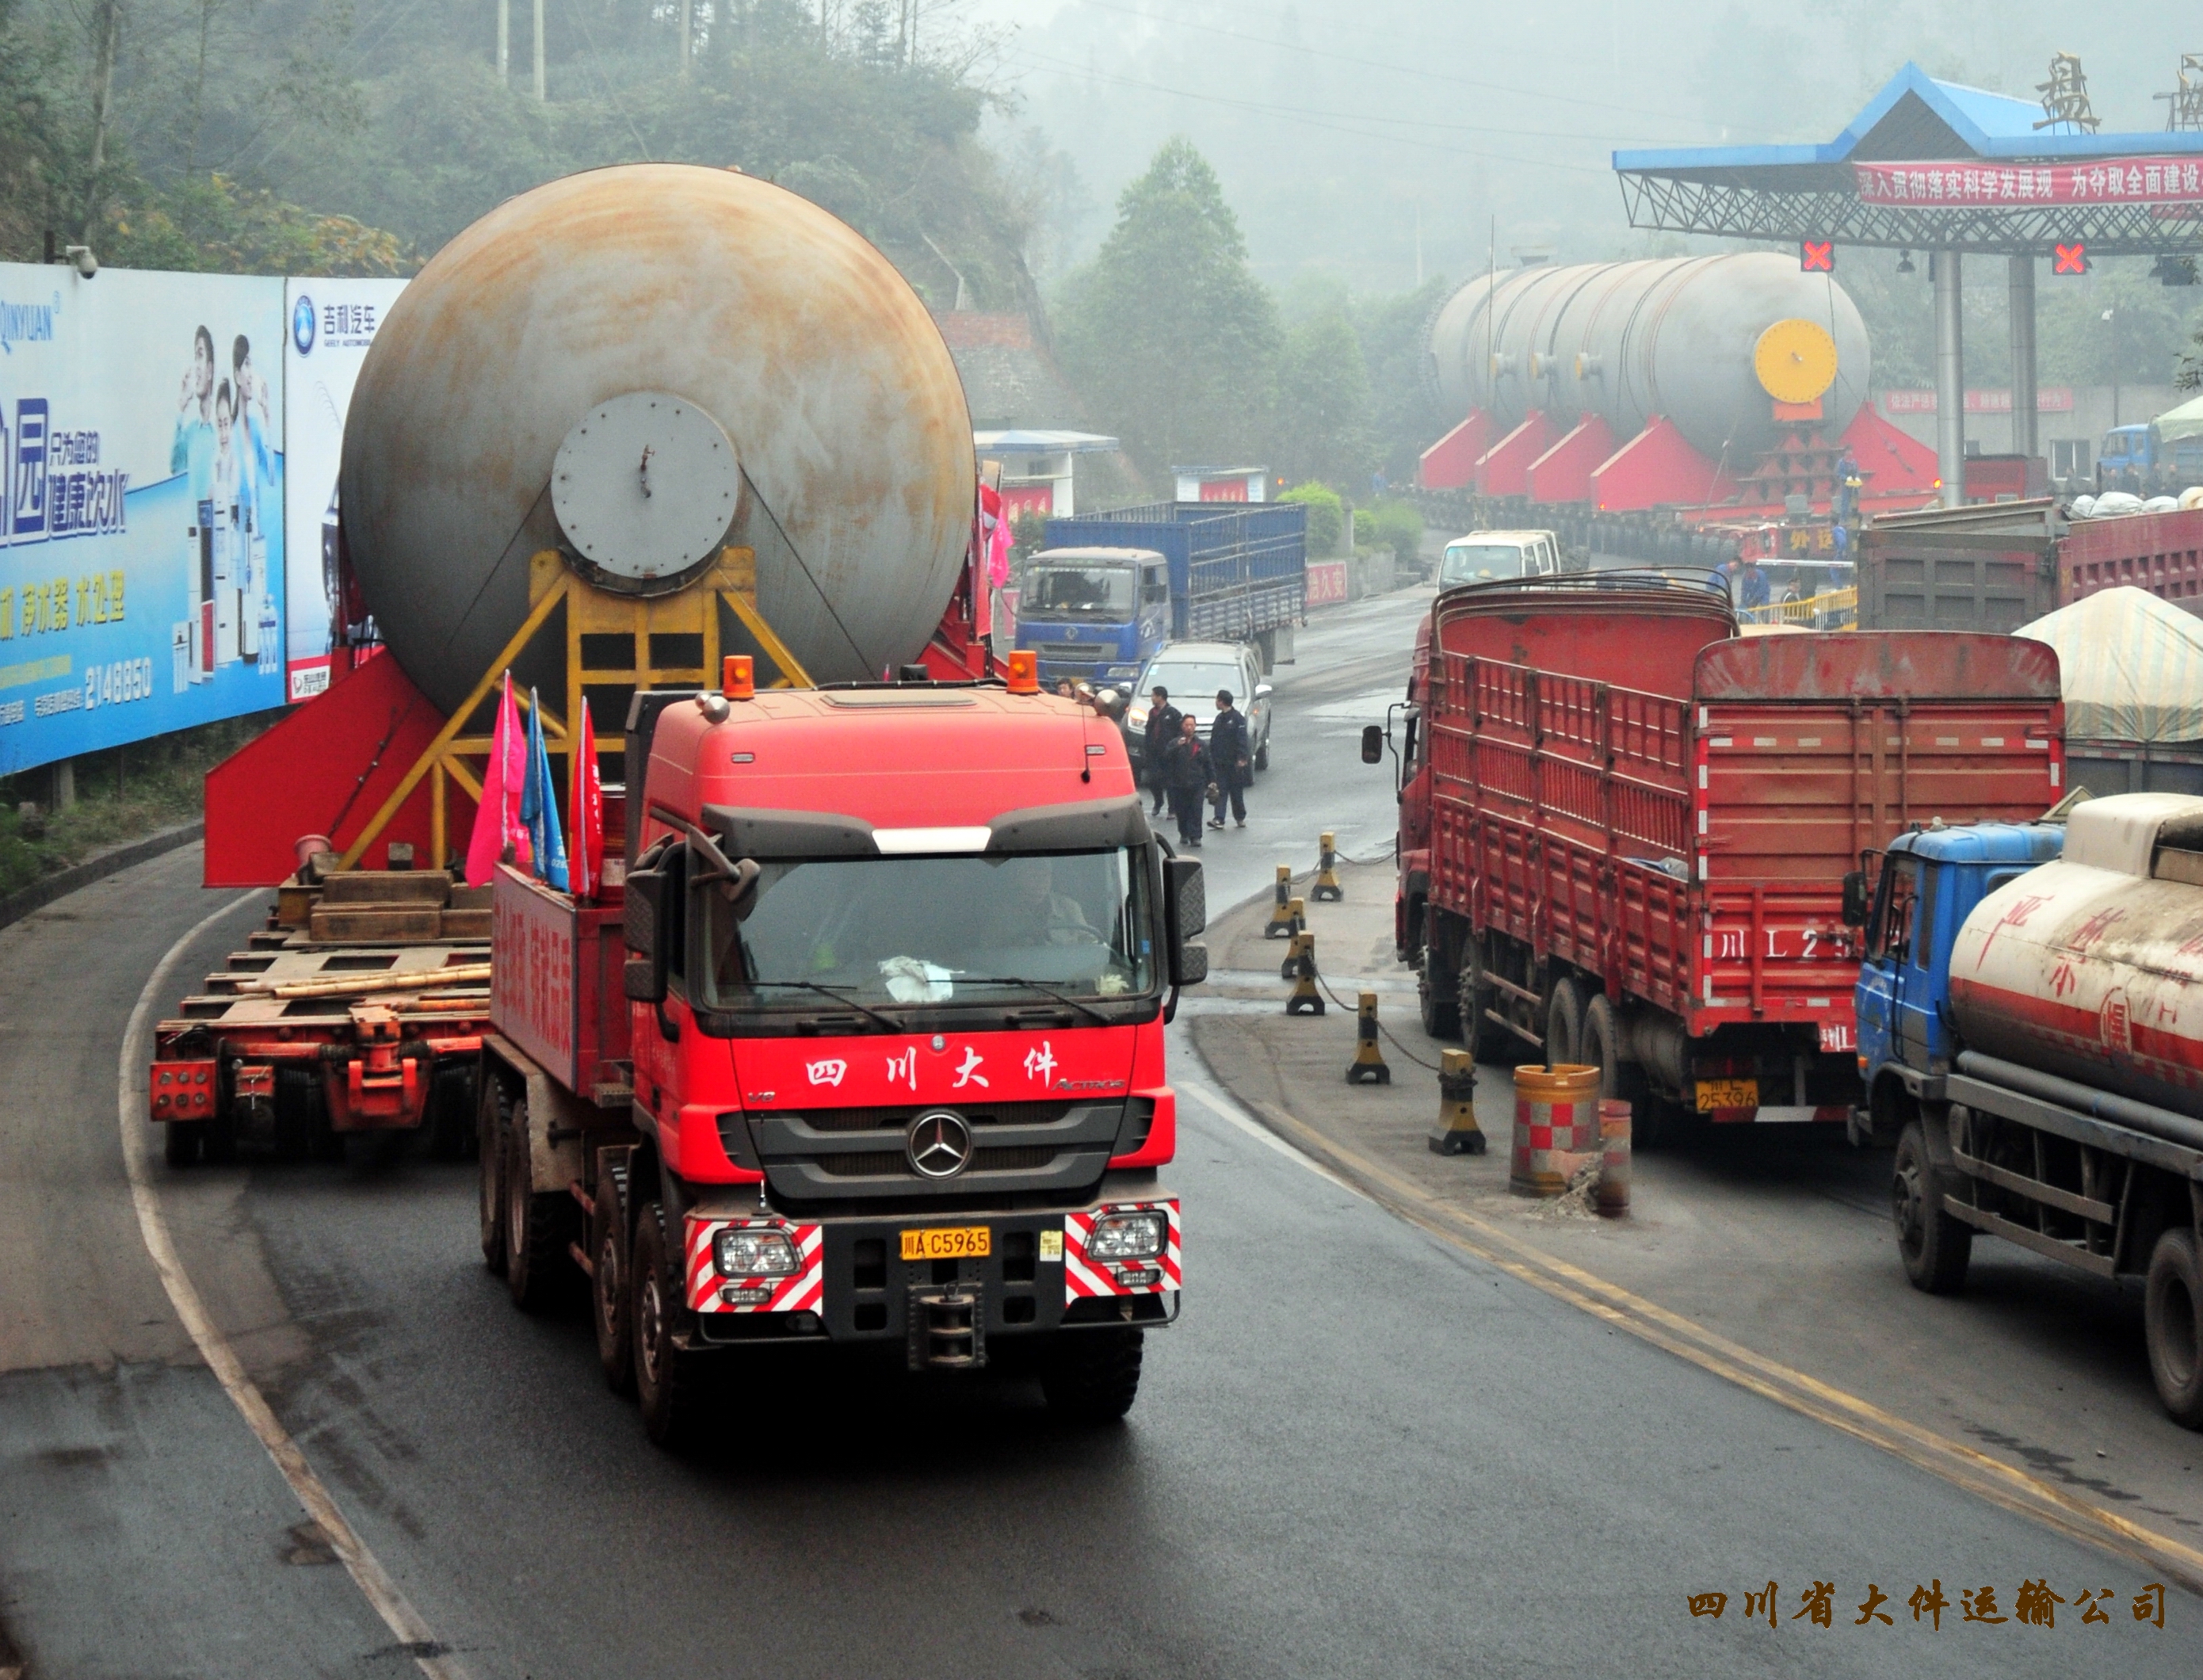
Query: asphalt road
1361,1452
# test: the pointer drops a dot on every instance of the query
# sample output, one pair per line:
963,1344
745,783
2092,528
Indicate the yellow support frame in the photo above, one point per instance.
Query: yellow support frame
590,612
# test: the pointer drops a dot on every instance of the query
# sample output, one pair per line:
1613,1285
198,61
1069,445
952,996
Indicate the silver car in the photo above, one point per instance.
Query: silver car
1193,672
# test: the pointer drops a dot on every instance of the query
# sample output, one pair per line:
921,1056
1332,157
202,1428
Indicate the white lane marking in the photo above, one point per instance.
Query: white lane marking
1226,1108
367,1572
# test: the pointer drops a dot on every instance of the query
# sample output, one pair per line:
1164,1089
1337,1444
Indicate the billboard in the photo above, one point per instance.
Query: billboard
141,529
331,325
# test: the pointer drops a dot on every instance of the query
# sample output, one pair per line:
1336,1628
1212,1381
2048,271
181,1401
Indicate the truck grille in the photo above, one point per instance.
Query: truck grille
857,1153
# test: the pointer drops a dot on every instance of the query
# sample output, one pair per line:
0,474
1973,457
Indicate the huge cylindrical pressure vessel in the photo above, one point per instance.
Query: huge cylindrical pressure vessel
637,367
2087,967
1711,343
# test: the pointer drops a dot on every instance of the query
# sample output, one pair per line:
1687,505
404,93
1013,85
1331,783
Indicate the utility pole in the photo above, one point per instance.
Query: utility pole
539,51
504,42
109,26
1419,245
687,34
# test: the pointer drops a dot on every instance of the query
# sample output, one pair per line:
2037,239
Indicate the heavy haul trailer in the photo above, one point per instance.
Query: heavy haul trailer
1626,828
2022,1033
358,1011
866,1050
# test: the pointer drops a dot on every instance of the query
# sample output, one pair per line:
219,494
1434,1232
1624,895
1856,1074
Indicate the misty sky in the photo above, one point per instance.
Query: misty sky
1338,126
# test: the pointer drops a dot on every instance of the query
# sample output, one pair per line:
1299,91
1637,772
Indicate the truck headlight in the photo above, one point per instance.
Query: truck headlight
754,1254
1137,717
1126,671
1127,1236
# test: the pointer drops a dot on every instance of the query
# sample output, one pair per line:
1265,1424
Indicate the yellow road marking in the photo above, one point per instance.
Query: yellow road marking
1991,1478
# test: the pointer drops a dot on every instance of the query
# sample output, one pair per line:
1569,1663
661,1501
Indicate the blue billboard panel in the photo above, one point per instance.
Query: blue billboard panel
141,506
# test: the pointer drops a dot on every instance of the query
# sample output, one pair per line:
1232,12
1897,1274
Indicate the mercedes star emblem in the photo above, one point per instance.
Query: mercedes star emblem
939,1144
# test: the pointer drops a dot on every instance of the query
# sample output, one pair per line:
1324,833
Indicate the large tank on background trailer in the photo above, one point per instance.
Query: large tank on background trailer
774,327
2089,967
1705,341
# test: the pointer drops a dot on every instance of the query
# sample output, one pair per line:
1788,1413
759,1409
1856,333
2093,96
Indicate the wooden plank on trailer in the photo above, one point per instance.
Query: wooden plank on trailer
375,926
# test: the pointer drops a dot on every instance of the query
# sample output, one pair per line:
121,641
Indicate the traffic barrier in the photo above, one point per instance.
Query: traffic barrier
1368,1063
1282,925
1299,968
1611,1198
1556,1128
1456,1132
1326,873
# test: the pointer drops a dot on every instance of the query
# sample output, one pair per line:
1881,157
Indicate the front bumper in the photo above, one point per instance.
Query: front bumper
854,1286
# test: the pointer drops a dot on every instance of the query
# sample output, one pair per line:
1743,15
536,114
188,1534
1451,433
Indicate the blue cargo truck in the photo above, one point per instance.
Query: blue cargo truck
1109,589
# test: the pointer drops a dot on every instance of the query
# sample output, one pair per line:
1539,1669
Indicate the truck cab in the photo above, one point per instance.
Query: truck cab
1094,615
1929,881
1486,557
895,962
2126,459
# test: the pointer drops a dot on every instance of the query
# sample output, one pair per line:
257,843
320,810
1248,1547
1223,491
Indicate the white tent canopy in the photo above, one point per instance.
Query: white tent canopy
2175,425
2132,667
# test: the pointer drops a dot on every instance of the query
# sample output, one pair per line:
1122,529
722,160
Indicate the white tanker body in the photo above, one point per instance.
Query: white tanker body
2030,1030
2091,968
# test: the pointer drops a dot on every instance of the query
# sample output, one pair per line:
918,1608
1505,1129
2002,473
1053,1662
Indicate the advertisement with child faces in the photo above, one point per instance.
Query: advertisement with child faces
141,528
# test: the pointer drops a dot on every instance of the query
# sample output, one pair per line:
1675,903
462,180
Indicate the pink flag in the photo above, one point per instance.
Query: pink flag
586,799
496,822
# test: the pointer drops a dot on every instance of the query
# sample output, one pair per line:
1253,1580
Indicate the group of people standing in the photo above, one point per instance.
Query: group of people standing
1189,773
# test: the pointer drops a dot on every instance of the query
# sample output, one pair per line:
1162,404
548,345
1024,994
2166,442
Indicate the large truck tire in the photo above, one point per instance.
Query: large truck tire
1092,1376
538,1226
1564,1024
1933,1247
489,1148
184,1140
2172,1320
1474,994
668,1382
611,1306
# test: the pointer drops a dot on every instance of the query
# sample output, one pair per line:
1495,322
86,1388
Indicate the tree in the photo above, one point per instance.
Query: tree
1173,340
1321,424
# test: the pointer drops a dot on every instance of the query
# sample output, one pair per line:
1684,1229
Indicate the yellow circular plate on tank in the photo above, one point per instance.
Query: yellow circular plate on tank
1795,360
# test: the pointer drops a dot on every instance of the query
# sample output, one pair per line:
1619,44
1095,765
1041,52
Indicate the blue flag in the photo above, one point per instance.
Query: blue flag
539,804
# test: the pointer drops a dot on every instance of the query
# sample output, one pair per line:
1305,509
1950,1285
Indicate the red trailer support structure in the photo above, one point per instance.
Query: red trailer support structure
1640,823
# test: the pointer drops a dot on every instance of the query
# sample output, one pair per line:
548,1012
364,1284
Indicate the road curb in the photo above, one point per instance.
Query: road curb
98,868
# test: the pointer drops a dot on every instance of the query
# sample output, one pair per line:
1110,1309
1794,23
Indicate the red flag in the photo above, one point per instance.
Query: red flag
496,819
586,802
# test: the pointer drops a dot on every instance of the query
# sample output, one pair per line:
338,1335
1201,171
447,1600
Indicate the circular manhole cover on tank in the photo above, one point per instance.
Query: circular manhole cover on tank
644,487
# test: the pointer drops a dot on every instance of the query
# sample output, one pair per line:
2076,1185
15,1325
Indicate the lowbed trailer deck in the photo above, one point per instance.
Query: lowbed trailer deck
1640,824
363,1013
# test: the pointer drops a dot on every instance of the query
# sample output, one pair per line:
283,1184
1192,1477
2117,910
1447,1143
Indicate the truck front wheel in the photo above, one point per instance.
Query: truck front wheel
1933,1247
1092,1376
2172,1319
667,1382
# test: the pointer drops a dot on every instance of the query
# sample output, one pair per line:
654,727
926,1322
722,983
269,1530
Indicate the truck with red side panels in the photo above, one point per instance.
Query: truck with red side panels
1626,827
865,1050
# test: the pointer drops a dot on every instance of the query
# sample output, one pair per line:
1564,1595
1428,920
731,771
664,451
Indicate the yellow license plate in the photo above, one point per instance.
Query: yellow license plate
1728,1094
949,1242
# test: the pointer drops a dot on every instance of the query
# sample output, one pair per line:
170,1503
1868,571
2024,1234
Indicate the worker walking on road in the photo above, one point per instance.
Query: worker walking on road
1231,759
1163,719
1187,772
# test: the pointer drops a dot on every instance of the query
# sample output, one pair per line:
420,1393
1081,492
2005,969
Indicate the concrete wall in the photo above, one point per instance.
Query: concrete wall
2096,409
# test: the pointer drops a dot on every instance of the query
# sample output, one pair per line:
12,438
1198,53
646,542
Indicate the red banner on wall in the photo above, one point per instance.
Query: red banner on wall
2048,399
2158,180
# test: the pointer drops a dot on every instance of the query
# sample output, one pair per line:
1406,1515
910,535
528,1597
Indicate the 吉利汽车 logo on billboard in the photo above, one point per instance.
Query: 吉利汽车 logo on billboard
302,324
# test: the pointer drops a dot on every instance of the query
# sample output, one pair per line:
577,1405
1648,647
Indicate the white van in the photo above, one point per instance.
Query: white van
1490,556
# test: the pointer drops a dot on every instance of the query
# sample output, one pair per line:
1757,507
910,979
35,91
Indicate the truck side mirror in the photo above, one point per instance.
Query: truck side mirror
651,903
1855,899
1372,743
1185,912
737,882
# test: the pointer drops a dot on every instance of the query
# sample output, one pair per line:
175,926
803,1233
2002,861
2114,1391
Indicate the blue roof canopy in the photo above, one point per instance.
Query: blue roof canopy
1916,116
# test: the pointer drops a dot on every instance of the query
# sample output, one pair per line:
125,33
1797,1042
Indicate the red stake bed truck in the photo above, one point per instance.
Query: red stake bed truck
1626,829
866,1049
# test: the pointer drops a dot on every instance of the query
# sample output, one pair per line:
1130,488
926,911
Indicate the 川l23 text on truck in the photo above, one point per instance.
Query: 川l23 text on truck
2030,1019
845,1027
1625,827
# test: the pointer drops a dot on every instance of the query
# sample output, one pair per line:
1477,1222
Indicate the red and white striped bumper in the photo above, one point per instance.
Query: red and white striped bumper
1083,1278
710,1292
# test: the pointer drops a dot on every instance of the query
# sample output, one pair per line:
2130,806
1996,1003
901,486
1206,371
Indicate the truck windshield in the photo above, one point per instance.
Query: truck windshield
1478,562
1062,588
895,931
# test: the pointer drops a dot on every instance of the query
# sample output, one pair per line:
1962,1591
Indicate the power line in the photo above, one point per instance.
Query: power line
1307,119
